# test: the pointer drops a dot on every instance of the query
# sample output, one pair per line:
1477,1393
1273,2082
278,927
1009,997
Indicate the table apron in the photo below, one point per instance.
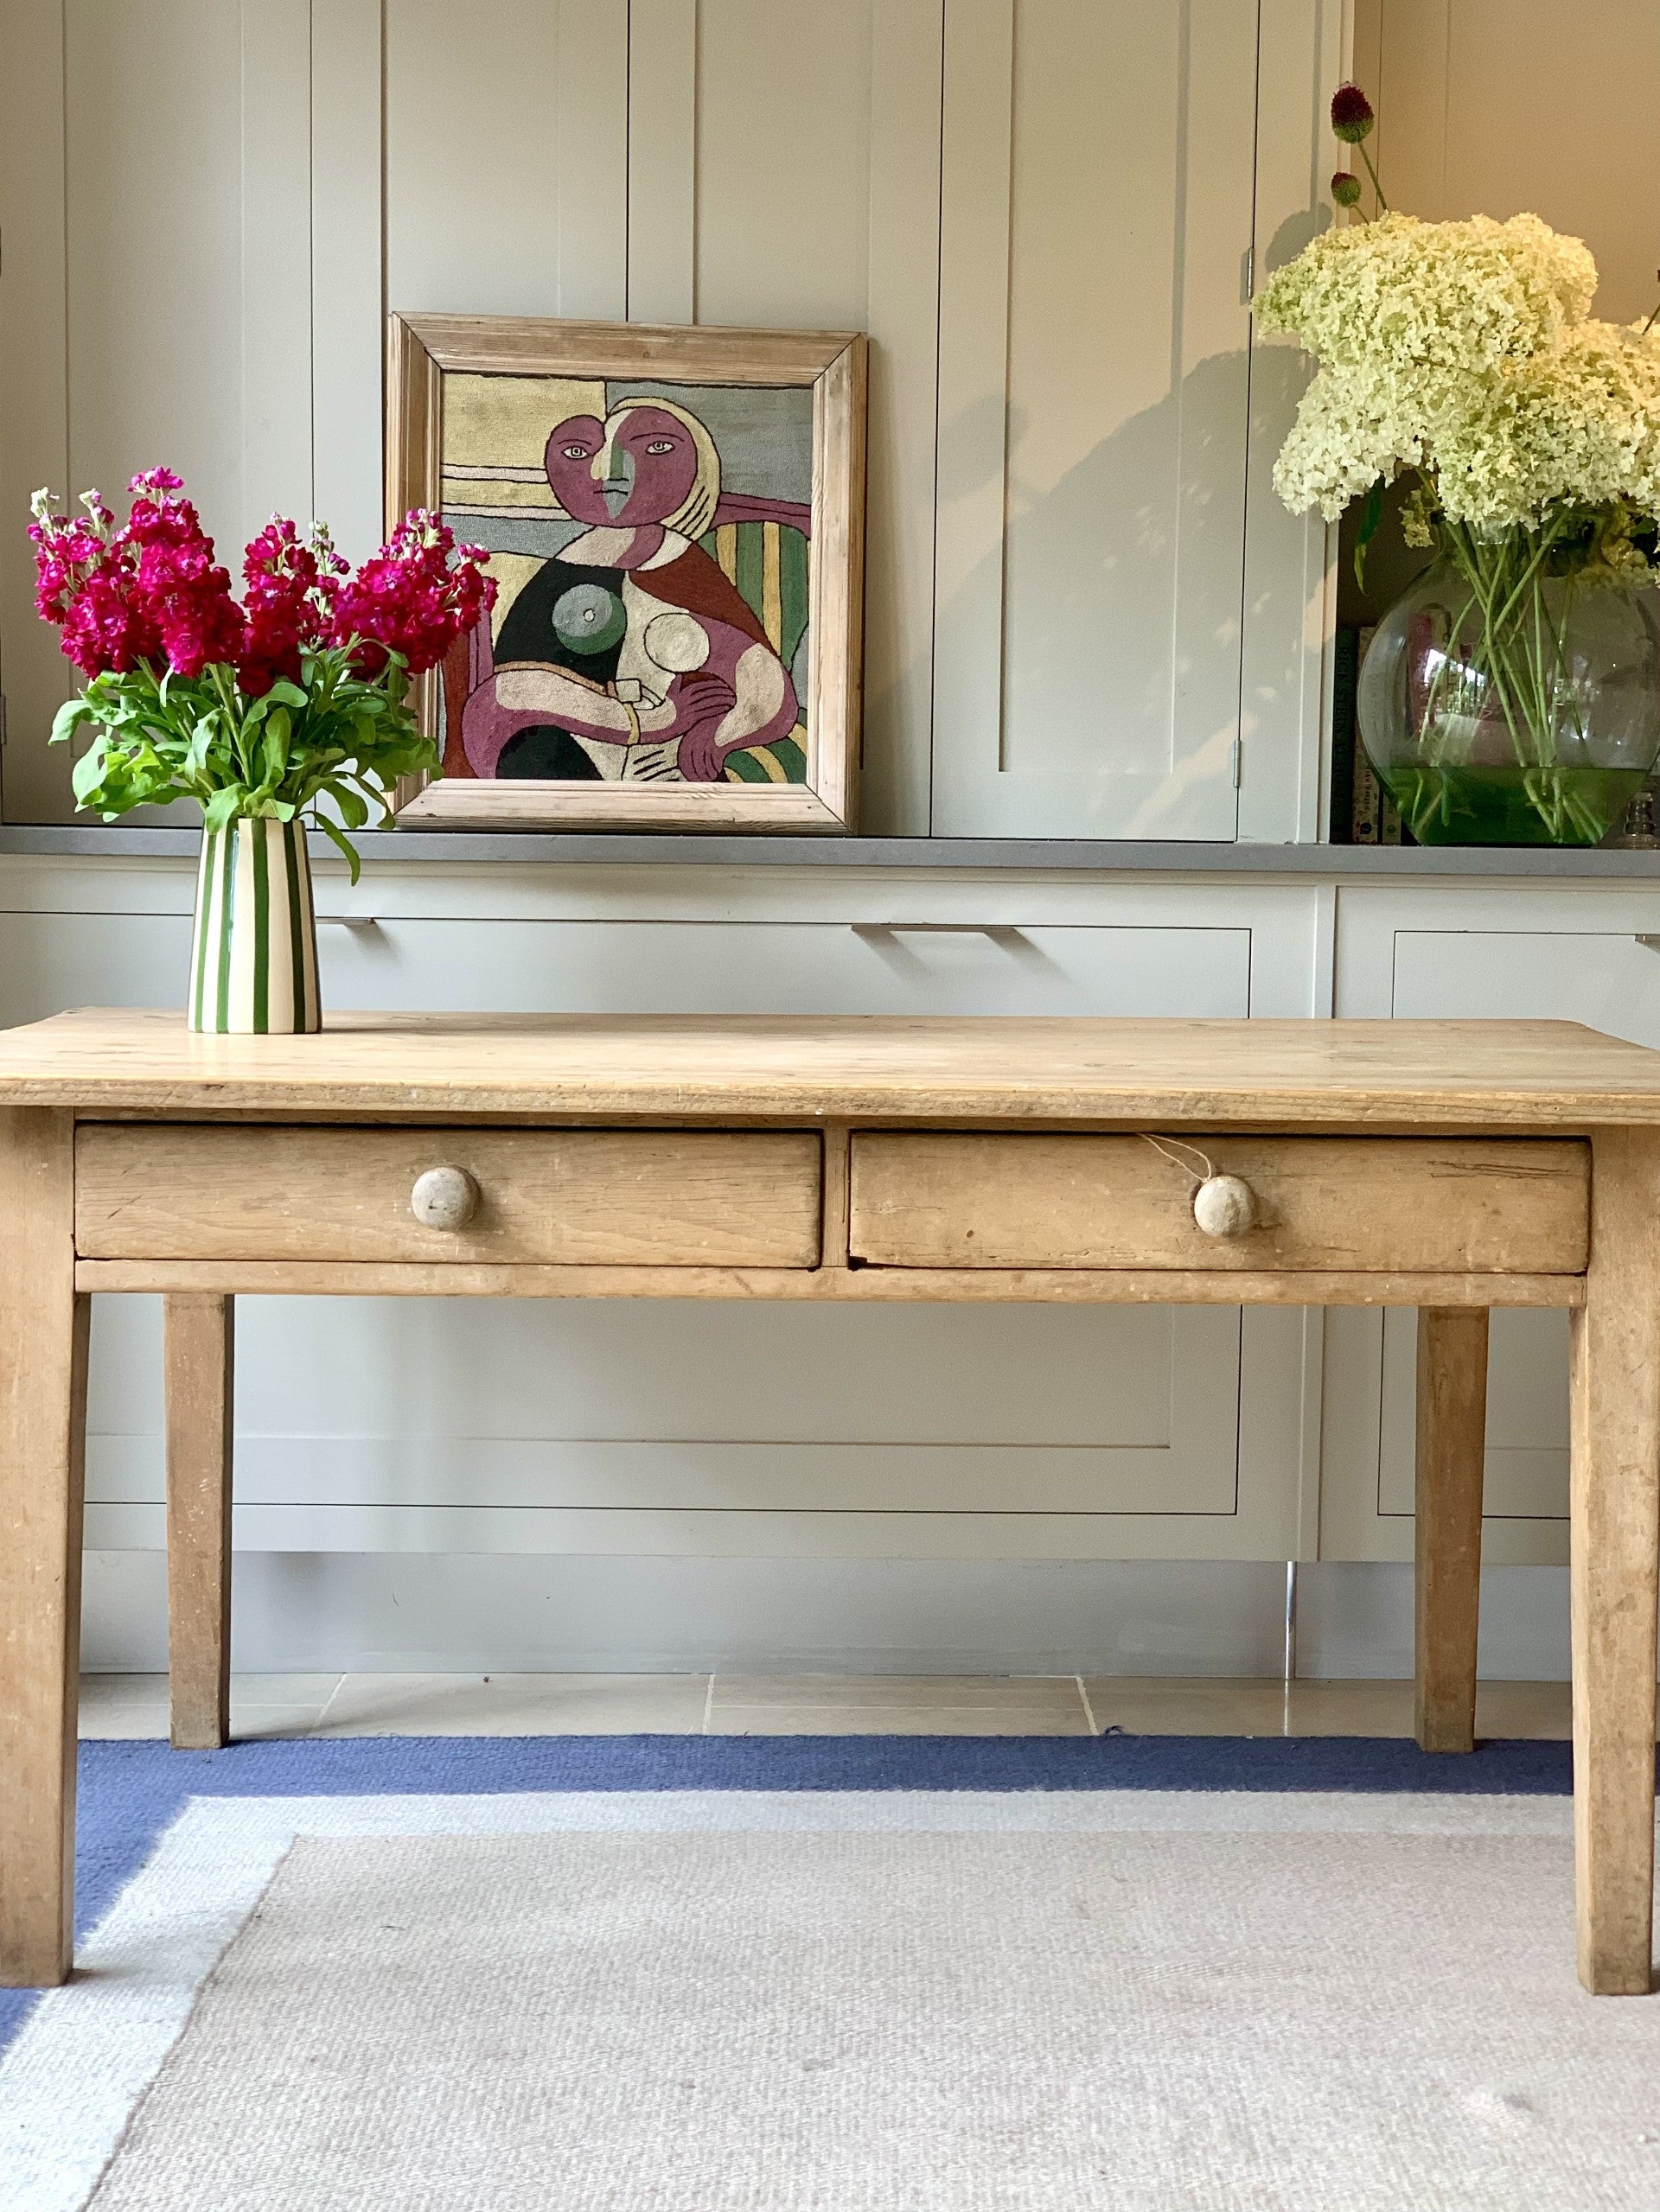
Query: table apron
1081,1285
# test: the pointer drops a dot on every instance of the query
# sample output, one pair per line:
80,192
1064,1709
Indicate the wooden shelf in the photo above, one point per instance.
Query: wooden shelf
1076,856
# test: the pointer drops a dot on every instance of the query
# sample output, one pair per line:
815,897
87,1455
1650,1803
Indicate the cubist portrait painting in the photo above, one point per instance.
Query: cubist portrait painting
653,545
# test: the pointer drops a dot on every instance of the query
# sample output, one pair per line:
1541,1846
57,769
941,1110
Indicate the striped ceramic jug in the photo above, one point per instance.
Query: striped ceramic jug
253,959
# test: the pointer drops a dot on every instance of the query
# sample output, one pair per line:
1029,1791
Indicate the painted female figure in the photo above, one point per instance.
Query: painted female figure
628,655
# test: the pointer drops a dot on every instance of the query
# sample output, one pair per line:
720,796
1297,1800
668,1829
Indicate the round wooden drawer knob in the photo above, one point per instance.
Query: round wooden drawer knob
1224,1205
444,1198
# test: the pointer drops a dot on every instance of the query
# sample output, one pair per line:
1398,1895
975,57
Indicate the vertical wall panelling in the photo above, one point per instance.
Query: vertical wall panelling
1366,54
155,247
154,251
507,156
1290,571
34,430
662,142
976,138
903,318
590,93
1096,212
783,193
277,227
1210,370
850,103
347,292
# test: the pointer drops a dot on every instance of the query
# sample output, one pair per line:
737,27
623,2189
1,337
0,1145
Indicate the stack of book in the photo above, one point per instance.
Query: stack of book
1362,810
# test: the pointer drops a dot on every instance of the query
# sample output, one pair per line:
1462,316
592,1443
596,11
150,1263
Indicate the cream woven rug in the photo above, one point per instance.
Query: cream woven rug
1161,2014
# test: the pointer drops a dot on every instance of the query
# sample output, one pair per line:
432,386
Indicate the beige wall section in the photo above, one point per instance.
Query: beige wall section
1093,343
727,160
1494,106
277,308
1290,559
33,390
817,204
1117,594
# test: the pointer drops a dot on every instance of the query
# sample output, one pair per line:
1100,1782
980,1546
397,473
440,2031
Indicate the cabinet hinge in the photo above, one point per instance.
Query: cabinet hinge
1238,748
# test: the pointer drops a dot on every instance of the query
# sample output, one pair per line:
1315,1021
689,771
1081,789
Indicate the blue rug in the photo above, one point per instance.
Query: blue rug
132,1792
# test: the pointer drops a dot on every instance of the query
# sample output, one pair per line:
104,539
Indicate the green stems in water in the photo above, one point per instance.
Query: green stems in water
1518,657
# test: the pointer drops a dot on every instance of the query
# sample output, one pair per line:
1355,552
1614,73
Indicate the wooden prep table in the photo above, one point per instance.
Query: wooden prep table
1452,1166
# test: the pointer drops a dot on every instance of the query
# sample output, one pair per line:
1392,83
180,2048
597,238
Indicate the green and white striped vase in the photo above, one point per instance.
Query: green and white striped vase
253,958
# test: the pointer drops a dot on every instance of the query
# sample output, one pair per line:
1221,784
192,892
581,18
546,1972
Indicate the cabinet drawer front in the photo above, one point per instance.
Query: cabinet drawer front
1348,1203
598,1198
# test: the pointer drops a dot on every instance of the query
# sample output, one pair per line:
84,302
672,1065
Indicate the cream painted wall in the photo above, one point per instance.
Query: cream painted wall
1043,211
1081,590
230,316
1498,106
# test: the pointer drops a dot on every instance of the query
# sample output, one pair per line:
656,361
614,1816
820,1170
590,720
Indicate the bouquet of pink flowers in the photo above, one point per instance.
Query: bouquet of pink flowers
261,709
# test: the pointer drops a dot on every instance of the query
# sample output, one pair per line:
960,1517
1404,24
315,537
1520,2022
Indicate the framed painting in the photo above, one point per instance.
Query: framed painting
674,519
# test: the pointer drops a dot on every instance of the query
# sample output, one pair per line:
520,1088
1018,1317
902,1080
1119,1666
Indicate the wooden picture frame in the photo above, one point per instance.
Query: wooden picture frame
657,764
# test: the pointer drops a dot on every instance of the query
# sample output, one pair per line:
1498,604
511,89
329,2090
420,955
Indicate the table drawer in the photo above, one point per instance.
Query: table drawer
1370,1204
596,1197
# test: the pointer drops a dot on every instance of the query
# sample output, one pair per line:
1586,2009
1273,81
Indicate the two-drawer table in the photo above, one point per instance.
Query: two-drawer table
1449,1166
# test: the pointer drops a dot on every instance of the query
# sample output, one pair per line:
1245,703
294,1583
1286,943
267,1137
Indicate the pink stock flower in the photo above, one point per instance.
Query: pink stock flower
199,622
179,584
409,599
287,604
152,592
106,627
87,583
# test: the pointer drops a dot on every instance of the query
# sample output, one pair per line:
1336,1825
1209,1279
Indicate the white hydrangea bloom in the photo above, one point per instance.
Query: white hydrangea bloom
1464,349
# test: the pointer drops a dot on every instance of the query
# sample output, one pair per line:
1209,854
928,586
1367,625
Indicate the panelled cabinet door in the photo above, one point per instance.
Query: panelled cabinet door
1154,1397
1098,176
1022,1432
1610,980
1460,961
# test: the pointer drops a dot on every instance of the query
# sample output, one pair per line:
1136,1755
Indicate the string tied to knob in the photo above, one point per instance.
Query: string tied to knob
1223,1205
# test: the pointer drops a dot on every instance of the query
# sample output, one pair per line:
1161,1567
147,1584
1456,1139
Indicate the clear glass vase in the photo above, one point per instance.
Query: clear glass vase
1513,708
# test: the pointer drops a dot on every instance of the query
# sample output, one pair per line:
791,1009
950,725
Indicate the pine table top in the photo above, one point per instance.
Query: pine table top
1455,1075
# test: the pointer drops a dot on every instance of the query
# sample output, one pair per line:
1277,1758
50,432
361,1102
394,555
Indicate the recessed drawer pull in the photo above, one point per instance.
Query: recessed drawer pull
1000,933
1224,1205
444,1198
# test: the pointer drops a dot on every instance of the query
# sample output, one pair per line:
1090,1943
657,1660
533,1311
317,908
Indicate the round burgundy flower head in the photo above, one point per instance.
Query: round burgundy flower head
1345,188
1352,114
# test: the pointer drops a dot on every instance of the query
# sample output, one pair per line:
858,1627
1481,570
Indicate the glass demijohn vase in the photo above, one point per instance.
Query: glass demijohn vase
254,957
1537,726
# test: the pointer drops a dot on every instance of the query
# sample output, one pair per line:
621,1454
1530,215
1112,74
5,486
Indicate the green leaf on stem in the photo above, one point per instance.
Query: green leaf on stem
336,835
274,745
224,806
1371,516
68,716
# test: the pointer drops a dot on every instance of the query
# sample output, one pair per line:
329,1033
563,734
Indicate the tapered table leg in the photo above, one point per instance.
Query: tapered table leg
1615,1510
43,1327
200,1335
1451,1447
